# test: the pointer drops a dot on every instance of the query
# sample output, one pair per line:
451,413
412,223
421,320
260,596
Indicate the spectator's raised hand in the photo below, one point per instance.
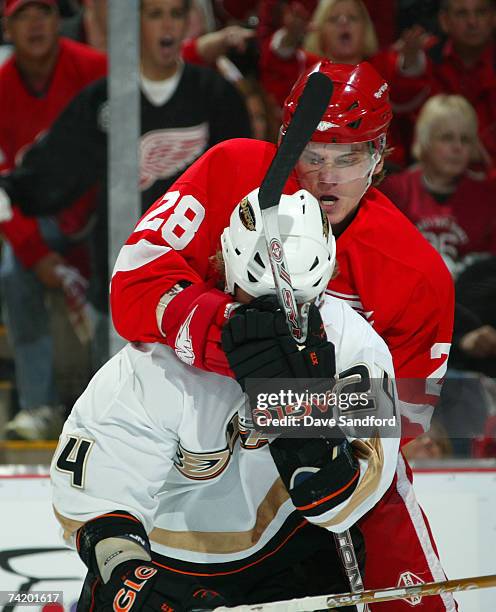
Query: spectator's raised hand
237,37
410,45
214,44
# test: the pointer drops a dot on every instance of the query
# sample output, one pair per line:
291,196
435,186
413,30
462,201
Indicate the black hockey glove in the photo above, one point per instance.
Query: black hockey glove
137,586
319,473
121,575
258,344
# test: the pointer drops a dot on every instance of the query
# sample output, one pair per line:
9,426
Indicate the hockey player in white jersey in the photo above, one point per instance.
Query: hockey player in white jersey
171,500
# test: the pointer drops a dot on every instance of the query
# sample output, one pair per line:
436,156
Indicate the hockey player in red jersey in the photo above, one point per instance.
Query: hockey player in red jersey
212,503
387,271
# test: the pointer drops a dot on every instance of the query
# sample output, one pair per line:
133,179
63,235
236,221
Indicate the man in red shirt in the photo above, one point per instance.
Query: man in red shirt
464,64
44,73
387,271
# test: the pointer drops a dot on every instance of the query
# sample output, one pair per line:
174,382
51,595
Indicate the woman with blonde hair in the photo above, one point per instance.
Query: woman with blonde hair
339,30
342,30
450,204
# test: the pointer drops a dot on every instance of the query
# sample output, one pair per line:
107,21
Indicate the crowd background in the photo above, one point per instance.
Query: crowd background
234,64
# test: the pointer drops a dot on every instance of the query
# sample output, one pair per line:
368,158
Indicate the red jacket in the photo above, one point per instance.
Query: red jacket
24,117
446,73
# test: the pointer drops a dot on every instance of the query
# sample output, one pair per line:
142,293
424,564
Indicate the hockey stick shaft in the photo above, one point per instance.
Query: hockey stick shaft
344,544
311,107
330,602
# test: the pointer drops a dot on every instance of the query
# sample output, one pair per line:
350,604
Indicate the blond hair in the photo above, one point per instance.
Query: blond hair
313,43
437,110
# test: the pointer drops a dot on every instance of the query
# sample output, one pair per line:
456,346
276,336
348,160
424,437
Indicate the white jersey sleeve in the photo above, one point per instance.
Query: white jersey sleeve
114,453
360,349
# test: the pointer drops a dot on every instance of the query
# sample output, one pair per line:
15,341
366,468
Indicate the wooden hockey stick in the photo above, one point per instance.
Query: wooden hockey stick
311,106
330,602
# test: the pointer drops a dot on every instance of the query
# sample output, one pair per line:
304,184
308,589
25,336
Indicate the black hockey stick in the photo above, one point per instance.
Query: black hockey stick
311,106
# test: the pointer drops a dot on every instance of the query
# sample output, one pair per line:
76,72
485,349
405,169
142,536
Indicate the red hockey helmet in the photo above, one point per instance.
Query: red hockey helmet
359,109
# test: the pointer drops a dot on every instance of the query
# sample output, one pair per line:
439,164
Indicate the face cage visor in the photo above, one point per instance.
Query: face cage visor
341,162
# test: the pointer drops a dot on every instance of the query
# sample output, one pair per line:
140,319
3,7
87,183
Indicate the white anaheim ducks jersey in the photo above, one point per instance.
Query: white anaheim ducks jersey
163,441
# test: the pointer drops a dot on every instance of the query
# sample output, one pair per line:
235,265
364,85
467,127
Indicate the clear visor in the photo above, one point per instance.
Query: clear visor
340,163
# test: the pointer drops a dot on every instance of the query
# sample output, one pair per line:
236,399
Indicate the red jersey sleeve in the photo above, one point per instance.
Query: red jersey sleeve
174,240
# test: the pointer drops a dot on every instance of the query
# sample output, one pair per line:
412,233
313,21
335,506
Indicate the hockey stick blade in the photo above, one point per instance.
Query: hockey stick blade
308,113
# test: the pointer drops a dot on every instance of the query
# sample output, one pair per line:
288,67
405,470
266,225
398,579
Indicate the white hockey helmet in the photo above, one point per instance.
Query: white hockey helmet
307,240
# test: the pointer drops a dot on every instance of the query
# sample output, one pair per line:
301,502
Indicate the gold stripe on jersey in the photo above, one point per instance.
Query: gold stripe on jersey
225,542
371,451
68,525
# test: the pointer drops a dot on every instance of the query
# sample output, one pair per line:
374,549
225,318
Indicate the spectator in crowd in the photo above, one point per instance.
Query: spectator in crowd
434,194
44,73
474,336
185,109
463,64
340,30
271,15
201,46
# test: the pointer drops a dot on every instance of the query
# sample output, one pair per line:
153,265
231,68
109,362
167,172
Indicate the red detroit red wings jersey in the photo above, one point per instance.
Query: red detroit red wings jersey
464,223
387,270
